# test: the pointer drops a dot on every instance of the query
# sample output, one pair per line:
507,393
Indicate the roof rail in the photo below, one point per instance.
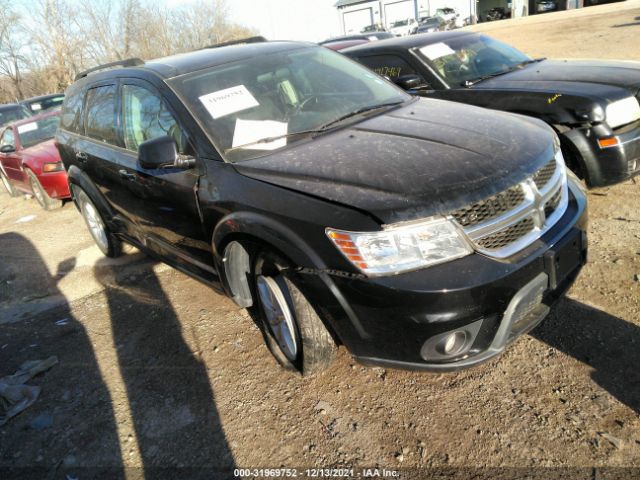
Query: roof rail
129,62
256,39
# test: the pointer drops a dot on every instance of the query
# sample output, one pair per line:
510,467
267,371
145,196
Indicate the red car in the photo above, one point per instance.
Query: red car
30,163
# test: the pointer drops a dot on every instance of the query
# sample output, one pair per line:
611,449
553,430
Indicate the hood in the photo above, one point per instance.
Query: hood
571,76
42,152
427,157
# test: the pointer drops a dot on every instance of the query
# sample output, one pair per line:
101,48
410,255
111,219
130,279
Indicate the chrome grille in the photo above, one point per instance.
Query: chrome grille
490,208
508,235
542,176
509,221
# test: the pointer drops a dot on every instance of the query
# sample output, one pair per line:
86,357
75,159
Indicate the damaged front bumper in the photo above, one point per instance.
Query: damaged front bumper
458,314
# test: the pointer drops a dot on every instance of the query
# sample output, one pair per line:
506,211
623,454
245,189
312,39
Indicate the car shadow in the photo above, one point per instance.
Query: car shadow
630,24
71,426
176,422
610,345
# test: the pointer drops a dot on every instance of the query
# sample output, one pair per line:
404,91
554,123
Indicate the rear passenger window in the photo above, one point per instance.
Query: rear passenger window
100,116
71,112
390,66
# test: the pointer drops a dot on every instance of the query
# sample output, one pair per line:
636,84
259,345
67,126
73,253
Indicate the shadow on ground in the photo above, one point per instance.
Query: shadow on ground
610,345
176,421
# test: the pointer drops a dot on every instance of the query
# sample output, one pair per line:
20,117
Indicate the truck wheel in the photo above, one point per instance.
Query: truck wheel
107,242
41,195
7,185
293,331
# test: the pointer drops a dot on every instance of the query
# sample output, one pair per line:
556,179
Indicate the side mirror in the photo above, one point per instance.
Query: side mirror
7,149
410,82
158,153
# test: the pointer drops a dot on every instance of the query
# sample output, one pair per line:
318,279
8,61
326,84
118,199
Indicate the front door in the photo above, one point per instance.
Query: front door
163,202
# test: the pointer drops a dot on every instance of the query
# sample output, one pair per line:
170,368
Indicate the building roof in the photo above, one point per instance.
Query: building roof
346,3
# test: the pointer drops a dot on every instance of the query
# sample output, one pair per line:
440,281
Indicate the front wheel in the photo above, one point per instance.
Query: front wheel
294,333
107,242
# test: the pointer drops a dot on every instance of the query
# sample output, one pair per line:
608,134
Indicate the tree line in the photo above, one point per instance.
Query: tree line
45,43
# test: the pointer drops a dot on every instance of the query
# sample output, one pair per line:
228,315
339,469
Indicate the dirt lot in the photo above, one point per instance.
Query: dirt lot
158,373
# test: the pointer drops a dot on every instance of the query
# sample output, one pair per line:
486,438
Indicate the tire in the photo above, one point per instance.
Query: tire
106,241
8,187
314,347
41,195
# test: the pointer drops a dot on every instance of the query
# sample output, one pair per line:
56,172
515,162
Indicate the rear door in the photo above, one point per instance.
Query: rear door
162,202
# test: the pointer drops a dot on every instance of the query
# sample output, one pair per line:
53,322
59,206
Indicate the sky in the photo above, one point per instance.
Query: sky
311,20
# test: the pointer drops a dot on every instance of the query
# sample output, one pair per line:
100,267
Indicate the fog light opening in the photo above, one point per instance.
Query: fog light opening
453,343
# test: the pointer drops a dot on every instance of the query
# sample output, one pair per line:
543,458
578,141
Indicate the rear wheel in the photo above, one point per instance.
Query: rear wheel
107,242
8,187
293,331
41,195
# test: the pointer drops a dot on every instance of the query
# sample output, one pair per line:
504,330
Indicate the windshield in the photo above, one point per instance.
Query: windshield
399,23
470,57
10,115
279,94
431,22
38,131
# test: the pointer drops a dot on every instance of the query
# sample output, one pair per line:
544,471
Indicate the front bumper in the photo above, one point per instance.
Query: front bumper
55,184
390,321
608,165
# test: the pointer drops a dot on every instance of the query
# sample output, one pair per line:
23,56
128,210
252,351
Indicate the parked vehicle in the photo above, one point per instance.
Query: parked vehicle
30,163
371,36
450,16
432,24
341,45
11,112
402,28
592,105
44,103
373,28
543,6
418,233
496,13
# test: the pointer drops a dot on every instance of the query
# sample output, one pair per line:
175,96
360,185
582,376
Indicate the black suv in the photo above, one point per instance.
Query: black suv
418,233
592,105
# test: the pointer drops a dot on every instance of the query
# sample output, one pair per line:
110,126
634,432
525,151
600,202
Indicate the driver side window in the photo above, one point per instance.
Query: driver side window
145,117
7,137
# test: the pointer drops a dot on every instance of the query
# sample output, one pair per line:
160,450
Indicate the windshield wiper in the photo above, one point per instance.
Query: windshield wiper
321,129
470,83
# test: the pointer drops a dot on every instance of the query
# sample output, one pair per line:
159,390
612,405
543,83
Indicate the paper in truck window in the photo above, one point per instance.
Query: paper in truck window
437,50
229,100
27,127
248,131
36,106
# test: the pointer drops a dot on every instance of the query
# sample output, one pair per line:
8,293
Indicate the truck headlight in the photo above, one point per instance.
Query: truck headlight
622,112
402,247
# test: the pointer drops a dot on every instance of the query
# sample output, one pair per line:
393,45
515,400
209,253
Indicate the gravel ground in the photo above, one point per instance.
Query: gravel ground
159,373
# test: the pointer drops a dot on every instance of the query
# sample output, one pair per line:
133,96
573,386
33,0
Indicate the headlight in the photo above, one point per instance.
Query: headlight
622,112
402,247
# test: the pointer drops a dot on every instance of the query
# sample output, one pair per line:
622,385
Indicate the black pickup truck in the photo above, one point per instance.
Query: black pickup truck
418,233
592,105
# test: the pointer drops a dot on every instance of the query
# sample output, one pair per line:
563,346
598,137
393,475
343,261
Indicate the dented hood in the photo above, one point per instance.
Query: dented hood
427,157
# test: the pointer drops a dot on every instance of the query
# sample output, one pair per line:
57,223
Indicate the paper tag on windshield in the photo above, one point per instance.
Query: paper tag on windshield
437,50
228,101
249,131
36,106
27,127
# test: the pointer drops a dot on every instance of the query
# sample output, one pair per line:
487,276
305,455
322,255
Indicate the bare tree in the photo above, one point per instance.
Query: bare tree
11,46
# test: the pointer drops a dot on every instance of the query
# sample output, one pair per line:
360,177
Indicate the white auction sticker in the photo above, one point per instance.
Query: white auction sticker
229,100
437,50
249,131
27,127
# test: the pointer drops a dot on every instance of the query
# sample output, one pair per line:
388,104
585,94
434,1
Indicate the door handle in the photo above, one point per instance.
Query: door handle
126,175
81,157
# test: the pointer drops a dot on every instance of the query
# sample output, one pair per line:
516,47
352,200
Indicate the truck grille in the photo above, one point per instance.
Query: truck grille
507,222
